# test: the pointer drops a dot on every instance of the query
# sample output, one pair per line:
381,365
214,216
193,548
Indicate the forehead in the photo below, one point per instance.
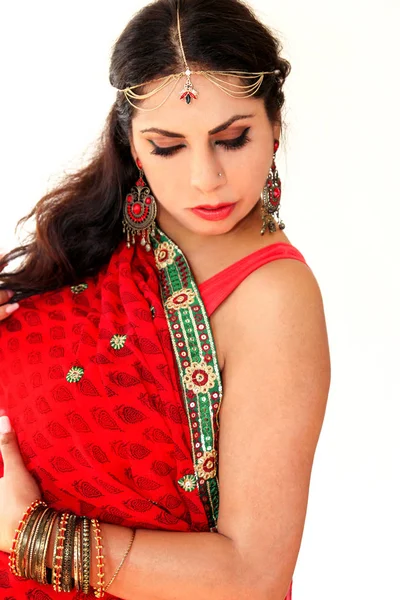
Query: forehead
211,107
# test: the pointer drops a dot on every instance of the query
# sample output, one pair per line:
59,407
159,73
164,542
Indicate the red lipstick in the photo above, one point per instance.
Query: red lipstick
214,213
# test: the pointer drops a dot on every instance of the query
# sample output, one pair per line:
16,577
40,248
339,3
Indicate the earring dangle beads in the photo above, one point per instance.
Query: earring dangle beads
271,197
140,211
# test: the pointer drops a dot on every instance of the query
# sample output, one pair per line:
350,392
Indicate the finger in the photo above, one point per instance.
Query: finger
10,451
5,295
7,309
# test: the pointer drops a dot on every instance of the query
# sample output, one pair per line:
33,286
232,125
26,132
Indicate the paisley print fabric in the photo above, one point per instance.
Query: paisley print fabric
90,382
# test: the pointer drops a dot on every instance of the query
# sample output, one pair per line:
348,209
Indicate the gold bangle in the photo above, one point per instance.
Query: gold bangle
17,537
53,566
42,574
99,590
76,555
23,546
122,561
37,536
66,569
86,555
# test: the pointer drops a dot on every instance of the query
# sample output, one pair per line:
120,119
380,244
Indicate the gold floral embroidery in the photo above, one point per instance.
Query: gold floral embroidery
206,467
182,299
199,377
164,255
77,289
118,341
188,482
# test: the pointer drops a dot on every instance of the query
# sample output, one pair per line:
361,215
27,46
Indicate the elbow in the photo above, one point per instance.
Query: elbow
252,586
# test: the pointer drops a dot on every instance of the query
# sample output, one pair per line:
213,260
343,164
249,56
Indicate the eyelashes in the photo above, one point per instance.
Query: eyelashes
234,144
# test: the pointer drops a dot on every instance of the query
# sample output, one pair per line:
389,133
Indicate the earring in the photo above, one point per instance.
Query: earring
270,198
140,211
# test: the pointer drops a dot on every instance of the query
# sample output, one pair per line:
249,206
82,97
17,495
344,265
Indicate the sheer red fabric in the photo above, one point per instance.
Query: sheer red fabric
89,380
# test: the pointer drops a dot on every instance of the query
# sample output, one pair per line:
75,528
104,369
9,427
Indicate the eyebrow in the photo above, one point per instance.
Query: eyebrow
211,132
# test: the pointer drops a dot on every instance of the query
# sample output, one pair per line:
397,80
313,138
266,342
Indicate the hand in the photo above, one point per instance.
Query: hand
6,309
18,488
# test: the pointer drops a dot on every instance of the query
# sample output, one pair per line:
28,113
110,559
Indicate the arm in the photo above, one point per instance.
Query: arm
276,384
276,381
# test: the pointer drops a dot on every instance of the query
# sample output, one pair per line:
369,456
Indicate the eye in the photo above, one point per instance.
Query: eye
165,151
234,144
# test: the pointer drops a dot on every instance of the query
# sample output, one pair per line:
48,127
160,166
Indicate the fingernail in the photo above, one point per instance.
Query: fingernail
9,293
10,309
5,425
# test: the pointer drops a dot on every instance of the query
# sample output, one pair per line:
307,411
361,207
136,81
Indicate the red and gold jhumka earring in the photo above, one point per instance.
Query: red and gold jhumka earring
271,198
140,211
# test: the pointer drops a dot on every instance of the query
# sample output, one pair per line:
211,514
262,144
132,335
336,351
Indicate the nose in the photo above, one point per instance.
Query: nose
206,172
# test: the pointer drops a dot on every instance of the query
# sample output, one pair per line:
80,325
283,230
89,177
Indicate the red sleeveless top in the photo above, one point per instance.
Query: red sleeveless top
89,380
217,288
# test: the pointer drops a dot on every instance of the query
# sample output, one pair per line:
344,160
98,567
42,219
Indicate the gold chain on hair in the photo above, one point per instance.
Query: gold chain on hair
188,92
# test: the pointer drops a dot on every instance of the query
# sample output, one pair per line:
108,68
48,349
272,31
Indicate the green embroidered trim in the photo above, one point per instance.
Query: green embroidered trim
197,362
77,289
118,341
74,375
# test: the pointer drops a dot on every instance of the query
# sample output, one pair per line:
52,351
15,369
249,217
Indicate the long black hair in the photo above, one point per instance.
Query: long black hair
223,35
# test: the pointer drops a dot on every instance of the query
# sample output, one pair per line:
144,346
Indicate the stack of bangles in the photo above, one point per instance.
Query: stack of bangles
71,554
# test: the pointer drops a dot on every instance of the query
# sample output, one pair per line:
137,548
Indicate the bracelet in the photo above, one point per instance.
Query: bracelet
25,539
17,537
42,572
86,552
98,591
122,561
66,575
57,533
57,567
77,580
37,535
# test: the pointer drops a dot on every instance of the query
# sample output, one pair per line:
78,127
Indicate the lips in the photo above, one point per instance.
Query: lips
214,206
214,213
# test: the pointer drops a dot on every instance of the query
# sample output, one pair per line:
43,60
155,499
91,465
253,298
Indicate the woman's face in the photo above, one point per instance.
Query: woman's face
183,148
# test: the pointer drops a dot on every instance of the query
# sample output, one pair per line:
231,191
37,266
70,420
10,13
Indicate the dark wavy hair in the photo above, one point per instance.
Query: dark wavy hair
78,223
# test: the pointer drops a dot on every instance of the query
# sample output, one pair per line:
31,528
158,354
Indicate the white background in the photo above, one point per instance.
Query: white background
340,202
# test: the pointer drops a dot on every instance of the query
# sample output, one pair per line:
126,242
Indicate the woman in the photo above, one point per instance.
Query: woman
114,366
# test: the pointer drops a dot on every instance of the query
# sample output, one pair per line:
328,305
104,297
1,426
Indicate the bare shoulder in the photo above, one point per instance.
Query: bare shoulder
281,297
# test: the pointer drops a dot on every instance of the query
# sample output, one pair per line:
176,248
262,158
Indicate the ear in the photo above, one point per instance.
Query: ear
277,131
133,149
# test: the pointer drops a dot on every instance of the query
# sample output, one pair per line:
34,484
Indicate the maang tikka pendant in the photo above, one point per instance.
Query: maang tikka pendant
188,91
271,198
140,211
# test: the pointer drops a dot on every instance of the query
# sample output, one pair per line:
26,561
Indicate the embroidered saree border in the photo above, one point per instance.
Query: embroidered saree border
199,374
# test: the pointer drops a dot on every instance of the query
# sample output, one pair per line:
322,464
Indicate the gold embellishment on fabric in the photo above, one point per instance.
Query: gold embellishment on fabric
188,482
118,341
78,289
164,255
206,466
75,374
199,377
182,299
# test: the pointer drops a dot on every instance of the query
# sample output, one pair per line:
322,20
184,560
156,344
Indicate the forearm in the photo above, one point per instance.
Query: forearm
170,565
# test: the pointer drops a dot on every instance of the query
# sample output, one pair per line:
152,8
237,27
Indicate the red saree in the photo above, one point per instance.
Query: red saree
91,378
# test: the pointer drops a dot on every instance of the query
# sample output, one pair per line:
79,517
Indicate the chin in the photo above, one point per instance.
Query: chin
209,228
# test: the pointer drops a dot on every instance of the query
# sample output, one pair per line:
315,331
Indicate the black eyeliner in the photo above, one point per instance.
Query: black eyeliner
234,144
